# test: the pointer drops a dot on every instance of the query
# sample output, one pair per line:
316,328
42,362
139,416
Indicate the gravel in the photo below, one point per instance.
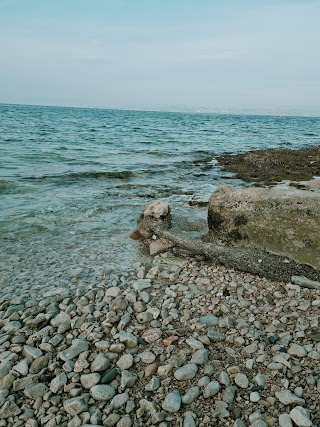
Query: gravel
180,342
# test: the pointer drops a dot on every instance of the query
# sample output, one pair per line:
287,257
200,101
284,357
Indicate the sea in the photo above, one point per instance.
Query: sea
73,181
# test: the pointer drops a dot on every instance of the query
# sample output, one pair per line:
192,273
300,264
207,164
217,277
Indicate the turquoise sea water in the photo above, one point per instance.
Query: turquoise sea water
73,180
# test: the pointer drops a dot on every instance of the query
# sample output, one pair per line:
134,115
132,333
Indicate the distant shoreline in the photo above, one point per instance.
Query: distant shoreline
195,111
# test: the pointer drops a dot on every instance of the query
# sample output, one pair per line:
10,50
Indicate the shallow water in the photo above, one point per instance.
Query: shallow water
74,180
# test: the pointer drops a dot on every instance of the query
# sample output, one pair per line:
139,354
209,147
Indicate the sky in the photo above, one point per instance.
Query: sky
219,55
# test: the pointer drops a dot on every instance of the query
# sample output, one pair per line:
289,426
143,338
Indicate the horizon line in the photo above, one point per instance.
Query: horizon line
187,110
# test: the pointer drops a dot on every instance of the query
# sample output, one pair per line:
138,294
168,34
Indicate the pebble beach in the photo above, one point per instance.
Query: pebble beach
179,342
95,332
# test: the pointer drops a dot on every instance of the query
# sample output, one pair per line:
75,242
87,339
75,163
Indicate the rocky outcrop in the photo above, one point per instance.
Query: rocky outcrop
272,233
283,221
157,213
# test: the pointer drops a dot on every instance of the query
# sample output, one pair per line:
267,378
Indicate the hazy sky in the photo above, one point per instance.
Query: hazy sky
220,54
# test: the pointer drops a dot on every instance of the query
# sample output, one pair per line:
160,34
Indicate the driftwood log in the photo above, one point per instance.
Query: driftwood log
247,259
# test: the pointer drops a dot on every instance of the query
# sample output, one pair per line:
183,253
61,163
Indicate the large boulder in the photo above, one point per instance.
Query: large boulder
284,221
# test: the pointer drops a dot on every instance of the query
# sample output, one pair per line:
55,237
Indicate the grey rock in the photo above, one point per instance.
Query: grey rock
186,372
30,351
259,423
5,368
141,284
76,405
221,409
124,422
77,347
226,322
102,392
241,380
301,416
194,343
224,378
228,394
58,382
239,423
172,402
36,390
191,395
147,357
100,363
254,396
109,376
211,389
119,400
200,357
12,326
111,420
297,350
89,380
125,362
285,420
305,282
153,384
203,381
315,336
127,379
260,379
20,384
9,409
22,367
288,398
114,291
60,319
38,364
189,421
209,320
216,336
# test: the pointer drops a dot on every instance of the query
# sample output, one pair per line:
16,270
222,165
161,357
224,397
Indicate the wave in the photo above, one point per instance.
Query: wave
88,175
12,187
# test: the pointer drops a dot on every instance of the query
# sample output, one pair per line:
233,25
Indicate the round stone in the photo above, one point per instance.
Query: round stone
102,392
125,362
89,380
254,396
211,389
186,372
172,402
241,380
191,395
